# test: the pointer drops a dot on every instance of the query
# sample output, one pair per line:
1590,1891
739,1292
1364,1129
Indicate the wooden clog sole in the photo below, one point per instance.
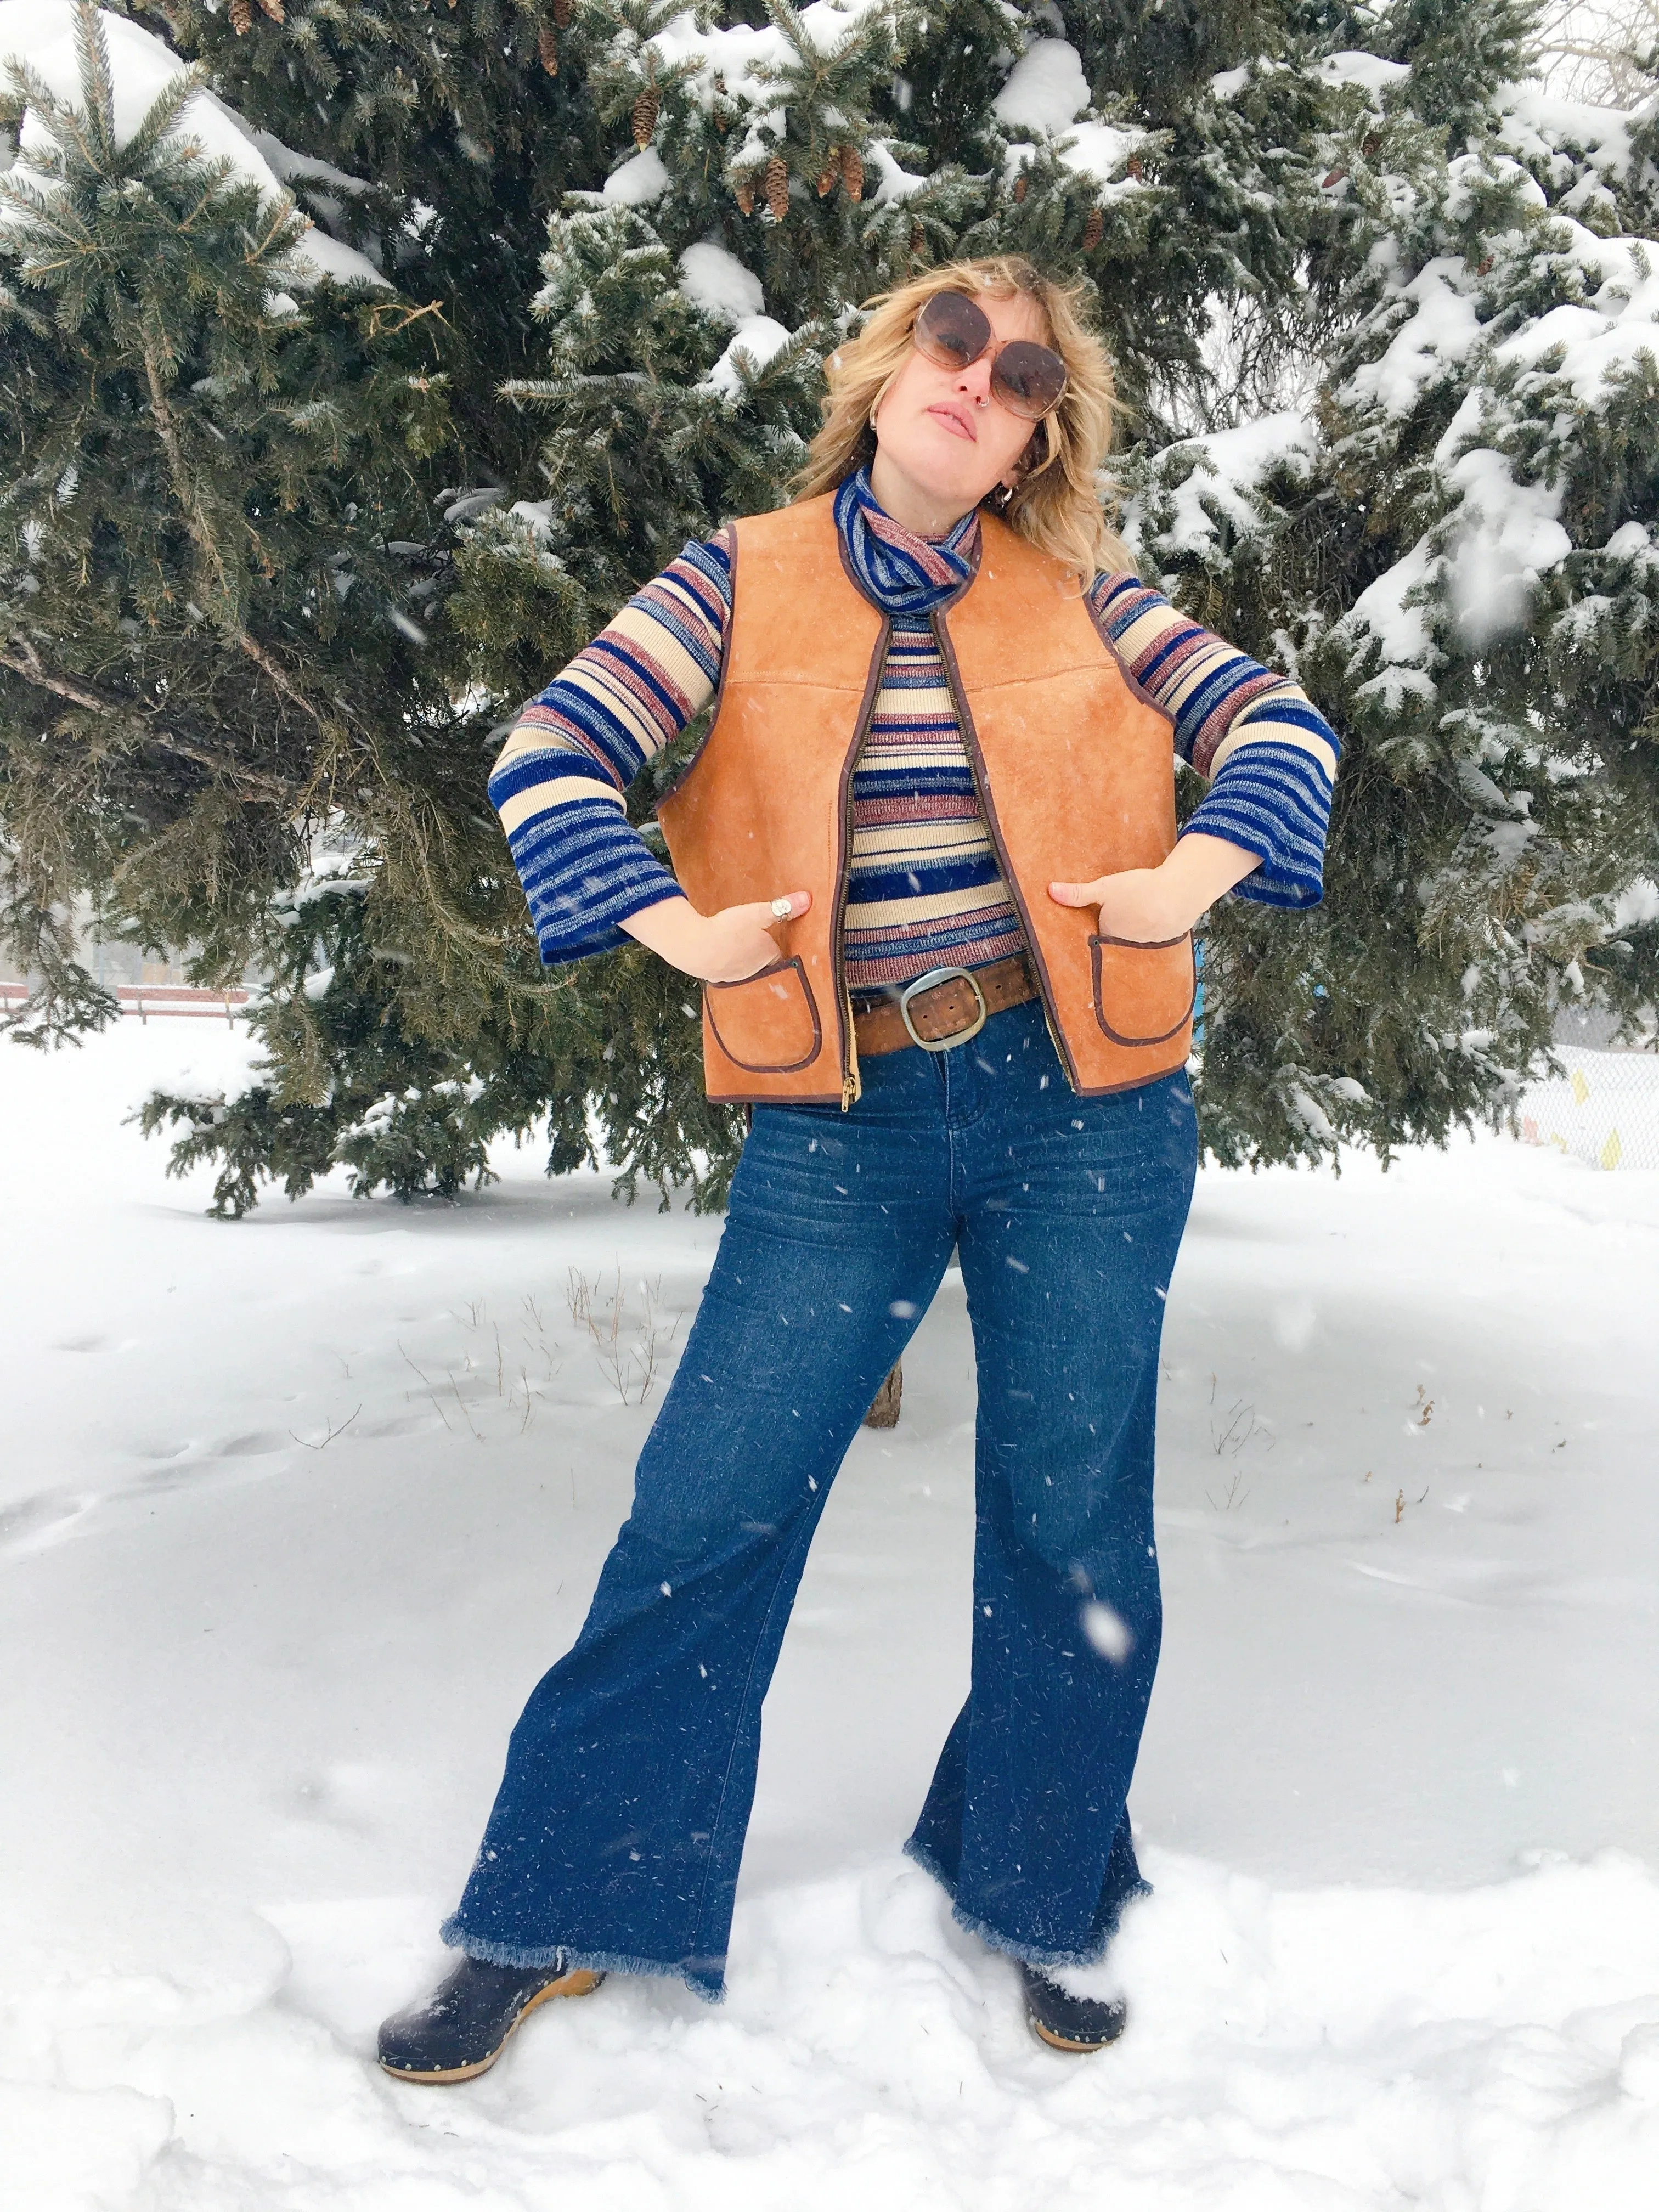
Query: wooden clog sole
580,1981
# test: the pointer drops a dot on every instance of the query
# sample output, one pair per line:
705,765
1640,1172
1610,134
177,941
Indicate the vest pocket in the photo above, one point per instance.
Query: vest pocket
767,1023
1144,994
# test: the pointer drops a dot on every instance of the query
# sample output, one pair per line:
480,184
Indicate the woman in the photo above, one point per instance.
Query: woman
928,871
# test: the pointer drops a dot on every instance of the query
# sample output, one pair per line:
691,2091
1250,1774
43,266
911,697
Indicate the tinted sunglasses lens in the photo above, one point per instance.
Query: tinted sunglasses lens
951,331
1028,378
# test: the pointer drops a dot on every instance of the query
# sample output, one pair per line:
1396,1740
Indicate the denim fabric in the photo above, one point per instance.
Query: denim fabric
615,1836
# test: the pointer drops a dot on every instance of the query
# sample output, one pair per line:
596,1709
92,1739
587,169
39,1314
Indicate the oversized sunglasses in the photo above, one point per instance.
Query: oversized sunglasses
953,331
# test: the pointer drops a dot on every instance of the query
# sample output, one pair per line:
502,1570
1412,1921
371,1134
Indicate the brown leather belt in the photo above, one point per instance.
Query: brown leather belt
946,1006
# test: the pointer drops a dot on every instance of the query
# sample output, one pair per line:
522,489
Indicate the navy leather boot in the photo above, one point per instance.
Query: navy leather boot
462,2028
1070,2023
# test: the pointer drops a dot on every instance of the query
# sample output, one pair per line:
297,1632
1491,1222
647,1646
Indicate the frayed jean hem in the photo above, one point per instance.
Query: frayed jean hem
707,1983
1032,1954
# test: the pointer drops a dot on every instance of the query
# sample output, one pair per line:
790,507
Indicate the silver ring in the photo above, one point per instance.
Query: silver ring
782,907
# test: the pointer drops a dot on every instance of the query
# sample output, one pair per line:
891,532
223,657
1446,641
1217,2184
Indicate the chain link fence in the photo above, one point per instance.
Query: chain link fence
1603,1108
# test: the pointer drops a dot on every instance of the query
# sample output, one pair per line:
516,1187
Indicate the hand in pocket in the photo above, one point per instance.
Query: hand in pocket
718,948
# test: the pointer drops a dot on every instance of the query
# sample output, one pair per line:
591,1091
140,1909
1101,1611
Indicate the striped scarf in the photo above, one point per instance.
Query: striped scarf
897,571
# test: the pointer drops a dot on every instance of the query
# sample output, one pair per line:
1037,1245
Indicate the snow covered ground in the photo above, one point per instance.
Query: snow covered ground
293,1513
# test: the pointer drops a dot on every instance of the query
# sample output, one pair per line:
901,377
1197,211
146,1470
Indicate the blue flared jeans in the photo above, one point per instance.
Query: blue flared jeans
616,1837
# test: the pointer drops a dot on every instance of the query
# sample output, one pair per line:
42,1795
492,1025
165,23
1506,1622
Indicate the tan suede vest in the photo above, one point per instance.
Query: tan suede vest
1074,767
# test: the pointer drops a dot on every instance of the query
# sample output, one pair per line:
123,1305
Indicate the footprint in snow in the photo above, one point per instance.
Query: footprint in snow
34,1524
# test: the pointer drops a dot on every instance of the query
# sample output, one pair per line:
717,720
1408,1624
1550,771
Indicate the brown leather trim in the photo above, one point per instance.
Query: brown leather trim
1140,945
844,1030
754,1068
982,784
727,532
1135,1083
730,535
750,1099
1124,669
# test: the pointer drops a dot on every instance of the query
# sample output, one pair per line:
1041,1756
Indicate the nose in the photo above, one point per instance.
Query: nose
974,382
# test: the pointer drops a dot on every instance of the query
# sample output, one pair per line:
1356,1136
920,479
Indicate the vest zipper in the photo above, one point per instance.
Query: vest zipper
852,1085
992,828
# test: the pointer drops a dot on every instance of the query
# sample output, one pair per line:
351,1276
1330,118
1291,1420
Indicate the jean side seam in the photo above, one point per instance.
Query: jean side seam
730,1757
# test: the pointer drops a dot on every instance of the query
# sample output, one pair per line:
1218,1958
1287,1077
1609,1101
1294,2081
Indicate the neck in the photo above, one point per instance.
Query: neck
908,503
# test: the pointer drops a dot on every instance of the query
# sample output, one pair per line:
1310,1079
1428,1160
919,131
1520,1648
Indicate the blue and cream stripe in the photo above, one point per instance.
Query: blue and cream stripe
924,889
1268,754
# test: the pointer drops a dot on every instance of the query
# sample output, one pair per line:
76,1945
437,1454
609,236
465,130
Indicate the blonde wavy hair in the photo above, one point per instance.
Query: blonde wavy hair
1056,504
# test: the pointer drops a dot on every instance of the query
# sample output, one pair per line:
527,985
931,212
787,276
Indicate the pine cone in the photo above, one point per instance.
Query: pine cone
1094,229
547,46
832,170
647,108
241,17
777,188
1137,168
274,10
745,192
1022,186
852,172
562,11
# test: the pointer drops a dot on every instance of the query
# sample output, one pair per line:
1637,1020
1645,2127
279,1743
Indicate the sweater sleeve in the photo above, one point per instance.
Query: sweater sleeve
559,780
1268,754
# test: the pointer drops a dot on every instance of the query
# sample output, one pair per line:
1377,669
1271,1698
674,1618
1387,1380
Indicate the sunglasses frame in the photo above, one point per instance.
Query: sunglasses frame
995,347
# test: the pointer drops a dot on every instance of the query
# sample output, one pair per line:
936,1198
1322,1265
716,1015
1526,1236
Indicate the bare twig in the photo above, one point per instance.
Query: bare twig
22,659
1242,1428
405,315
1232,1498
631,1369
430,1392
332,1433
461,1402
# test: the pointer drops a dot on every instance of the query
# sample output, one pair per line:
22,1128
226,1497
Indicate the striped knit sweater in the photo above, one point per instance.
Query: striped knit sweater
925,890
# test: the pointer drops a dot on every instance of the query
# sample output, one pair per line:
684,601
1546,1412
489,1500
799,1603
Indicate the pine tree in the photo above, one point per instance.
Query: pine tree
224,589
1450,535
614,240
189,590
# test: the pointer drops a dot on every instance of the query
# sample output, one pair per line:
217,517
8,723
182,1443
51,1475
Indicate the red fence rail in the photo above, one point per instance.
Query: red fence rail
149,999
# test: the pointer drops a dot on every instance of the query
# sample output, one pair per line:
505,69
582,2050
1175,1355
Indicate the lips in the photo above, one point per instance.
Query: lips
956,419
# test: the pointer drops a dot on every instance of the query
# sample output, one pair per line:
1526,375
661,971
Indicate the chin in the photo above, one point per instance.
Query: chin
957,487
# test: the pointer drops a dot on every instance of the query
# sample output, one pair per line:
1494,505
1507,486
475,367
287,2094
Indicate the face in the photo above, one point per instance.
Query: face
943,439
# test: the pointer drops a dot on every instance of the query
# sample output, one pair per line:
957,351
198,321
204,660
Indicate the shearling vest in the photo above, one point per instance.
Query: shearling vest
1074,767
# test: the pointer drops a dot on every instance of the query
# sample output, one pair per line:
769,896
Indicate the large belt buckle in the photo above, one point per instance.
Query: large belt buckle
928,982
